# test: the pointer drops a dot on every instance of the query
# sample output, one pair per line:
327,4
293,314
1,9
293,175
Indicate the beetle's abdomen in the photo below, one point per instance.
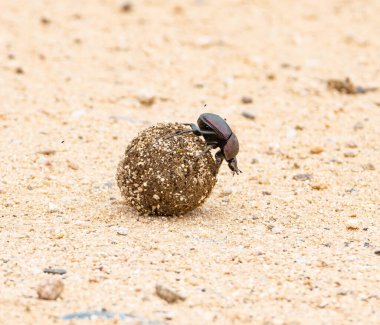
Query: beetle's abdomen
231,148
209,121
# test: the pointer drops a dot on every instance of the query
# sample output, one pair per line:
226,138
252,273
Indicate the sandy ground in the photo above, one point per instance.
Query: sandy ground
265,248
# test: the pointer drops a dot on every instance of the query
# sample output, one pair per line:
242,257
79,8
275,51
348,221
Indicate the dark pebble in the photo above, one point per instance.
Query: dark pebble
248,115
302,177
45,21
377,252
55,271
19,70
246,100
126,6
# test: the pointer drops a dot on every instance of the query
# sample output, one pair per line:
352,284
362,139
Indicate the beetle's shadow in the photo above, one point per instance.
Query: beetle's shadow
119,213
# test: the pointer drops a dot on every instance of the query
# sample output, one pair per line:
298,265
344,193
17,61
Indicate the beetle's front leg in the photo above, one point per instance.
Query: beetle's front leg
219,157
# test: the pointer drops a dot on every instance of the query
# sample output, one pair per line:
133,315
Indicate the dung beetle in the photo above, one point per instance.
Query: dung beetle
217,134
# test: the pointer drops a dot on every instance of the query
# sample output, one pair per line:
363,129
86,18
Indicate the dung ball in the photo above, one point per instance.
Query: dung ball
164,175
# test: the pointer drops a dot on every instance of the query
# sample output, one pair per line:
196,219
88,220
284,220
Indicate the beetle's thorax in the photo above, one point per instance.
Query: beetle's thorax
231,147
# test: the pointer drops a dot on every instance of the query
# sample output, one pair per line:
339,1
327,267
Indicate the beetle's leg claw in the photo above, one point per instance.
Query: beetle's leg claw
232,164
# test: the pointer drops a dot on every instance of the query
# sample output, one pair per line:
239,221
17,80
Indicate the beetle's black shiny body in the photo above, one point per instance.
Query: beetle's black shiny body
217,134
213,122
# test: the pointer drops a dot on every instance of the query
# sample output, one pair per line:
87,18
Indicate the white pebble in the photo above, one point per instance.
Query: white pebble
276,230
121,231
53,207
146,96
352,224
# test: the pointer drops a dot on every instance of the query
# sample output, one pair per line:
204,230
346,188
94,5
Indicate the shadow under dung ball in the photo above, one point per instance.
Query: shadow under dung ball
163,175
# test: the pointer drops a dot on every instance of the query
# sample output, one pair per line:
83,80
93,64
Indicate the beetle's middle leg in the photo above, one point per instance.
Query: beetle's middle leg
219,157
207,149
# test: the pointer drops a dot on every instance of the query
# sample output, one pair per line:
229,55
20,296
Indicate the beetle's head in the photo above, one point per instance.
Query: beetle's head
232,164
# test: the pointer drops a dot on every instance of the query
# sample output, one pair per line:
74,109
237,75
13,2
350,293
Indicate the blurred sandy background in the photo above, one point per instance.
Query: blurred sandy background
290,241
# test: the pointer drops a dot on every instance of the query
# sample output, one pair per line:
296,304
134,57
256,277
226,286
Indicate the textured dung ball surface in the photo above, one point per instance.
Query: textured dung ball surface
165,176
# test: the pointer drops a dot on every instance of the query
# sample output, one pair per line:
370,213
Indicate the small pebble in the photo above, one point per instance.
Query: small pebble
358,126
344,86
19,70
126,6
121,231
246,100
316,150
72,165
47,152
302,177
248,115
291,133
368,166
319,186
59,234
55,271
50,289
146,97
352,224
45,21
254,161
276,230
323,304
350,154
266,193
53,207
377,252
227,191
351,145
168,295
